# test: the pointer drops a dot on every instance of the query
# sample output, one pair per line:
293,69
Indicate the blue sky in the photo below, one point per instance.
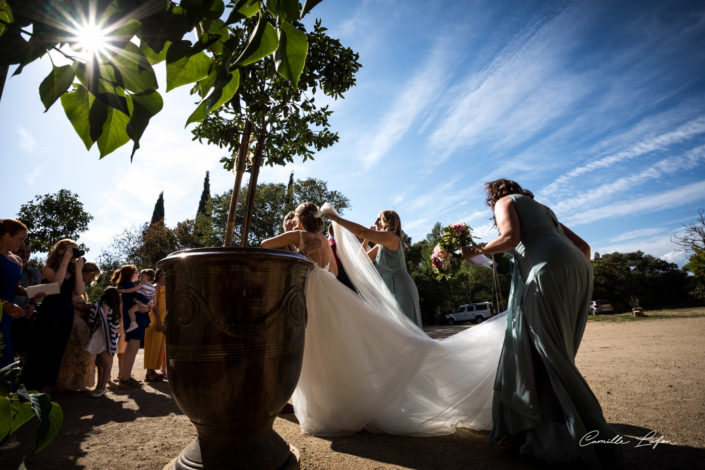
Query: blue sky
598,107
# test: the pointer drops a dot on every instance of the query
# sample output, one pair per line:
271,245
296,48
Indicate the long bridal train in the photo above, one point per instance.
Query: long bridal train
367,366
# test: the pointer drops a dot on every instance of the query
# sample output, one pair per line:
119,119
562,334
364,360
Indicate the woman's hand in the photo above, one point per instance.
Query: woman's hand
468,252
68,256
79,263
329,211
14,310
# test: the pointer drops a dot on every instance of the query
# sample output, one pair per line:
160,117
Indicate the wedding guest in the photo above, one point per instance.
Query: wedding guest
77,371
342,275
21,327
104,319
54,321
12,235
288,224
30,277
154,340
126,280
388,254
145,288
542,405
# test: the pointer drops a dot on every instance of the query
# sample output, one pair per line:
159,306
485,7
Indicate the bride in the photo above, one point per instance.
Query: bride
366,365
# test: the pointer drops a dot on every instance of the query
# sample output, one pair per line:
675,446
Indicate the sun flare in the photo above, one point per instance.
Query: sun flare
91,40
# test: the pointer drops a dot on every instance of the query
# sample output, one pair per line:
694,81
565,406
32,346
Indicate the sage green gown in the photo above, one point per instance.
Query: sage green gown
391,265
539,394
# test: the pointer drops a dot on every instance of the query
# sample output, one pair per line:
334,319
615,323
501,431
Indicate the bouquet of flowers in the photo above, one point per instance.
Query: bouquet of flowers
445,259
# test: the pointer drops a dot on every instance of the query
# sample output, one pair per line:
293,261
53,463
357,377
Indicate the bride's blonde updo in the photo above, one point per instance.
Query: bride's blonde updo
308,218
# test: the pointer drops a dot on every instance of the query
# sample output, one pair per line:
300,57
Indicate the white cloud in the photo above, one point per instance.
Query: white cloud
32,176
665,167
418,93
640,206
664,140
27,142
641,233
659,246
523,90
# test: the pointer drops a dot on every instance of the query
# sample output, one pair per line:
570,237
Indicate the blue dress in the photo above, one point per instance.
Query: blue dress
391,265
10,275
539,395
129,299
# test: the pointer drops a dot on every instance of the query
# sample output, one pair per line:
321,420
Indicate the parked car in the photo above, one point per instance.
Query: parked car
600,306
476,312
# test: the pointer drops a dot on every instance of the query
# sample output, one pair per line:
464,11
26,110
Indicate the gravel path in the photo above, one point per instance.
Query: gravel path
648,376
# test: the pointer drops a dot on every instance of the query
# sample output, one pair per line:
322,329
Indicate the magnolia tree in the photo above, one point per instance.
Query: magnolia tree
109,89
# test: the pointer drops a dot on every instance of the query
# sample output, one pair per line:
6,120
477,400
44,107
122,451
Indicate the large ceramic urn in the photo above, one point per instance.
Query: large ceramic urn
235,327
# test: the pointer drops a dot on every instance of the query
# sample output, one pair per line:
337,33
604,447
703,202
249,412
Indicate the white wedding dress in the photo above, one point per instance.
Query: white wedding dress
367,366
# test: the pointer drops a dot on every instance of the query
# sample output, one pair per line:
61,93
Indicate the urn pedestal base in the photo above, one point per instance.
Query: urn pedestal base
190,458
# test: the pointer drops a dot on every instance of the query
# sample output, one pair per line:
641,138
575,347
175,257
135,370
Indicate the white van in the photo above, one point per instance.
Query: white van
476,312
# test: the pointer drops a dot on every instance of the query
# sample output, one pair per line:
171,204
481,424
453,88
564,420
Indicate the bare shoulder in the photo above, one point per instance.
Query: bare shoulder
15,259
504,202
48,273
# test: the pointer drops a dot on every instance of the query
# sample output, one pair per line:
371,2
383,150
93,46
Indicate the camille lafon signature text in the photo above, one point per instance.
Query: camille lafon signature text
651,439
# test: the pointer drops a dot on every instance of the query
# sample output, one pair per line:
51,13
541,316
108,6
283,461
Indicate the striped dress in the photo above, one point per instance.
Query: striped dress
104,330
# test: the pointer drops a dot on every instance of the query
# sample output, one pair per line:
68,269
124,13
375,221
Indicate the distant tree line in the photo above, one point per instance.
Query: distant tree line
618,276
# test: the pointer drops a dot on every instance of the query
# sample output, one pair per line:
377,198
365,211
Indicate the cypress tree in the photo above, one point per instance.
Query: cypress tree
289,202
158,213
203,207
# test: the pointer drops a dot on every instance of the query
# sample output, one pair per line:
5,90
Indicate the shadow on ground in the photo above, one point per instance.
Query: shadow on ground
82,414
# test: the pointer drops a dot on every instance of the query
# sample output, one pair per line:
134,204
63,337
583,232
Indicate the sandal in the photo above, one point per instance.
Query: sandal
154,377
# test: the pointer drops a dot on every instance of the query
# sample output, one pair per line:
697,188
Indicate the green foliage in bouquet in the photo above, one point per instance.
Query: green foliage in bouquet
445,259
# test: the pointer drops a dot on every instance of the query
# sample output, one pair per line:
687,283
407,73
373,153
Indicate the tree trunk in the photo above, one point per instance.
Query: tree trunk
240,169
254,173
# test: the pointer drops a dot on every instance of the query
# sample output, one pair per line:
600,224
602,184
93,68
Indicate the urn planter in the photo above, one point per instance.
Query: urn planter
235,329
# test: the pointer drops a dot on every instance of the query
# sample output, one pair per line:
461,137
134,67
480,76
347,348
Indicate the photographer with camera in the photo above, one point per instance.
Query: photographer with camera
64,266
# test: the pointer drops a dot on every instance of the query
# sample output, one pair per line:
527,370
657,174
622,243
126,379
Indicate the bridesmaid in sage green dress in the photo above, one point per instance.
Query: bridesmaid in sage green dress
542,405
388,255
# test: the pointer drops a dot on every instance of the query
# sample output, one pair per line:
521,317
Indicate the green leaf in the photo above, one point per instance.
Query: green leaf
222,93
55,85
114,133
285,9
308,5
114,101
184,67
228,91
76,106
263,42
127,30
137,73
152,56
5,17
86,75
243,9
21,413
290,57
207,83
96,118
144,107
50,421
5,417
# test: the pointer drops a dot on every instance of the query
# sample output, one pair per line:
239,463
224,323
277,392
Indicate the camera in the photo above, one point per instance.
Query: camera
77,252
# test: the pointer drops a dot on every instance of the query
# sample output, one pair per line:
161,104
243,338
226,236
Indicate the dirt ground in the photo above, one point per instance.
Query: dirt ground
648,375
